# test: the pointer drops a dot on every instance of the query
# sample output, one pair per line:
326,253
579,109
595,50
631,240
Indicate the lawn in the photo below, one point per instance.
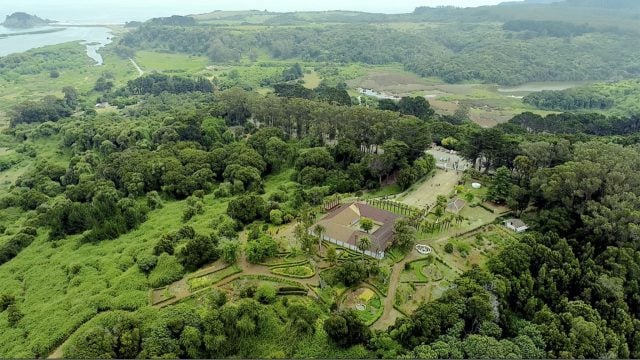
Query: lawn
488,106
383,191
477,247
371,302
426,280
473,218
312,80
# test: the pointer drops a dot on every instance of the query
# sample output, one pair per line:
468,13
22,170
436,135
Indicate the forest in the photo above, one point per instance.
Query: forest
476,52
564,278
176,212
615,98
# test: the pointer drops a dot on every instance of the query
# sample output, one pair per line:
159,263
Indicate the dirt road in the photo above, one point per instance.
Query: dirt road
442,183
140,71
390,314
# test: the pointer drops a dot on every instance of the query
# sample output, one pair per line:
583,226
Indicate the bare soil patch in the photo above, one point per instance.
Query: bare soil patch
442,183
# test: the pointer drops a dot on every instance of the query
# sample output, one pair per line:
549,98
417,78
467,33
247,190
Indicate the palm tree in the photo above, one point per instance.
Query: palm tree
319,231
364,243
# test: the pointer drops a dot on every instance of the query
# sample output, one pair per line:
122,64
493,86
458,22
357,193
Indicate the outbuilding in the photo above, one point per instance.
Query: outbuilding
516,225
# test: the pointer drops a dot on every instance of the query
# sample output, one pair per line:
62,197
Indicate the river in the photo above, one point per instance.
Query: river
92,37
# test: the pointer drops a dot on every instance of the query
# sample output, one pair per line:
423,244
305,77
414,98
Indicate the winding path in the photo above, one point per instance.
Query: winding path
140,71
248,269
390,314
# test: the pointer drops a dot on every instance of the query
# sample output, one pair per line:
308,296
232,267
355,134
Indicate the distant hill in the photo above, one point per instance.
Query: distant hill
20,20
541,1
609,4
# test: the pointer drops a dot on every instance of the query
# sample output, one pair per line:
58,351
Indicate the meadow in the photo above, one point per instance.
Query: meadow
151,61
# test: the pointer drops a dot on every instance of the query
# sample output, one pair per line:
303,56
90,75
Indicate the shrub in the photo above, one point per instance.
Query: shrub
5,301
247,208
12,247
189,213
276,217
199,251
146,263
265,294
278,196
227,227
448,248
186,232
13,315
247,290
167,270
153,200
195,207
223,191
230,251
261,249
164,245
346,329
29,230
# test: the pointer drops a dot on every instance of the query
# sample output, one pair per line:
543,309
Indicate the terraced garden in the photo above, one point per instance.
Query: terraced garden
365,301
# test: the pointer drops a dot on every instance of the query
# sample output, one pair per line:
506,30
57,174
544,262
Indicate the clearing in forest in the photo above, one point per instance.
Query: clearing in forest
443,181
155,61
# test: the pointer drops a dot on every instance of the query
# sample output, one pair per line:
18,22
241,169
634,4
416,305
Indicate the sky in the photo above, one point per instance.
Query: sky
123,10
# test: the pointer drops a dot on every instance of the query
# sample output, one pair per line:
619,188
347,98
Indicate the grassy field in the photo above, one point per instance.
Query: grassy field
176,63
312,80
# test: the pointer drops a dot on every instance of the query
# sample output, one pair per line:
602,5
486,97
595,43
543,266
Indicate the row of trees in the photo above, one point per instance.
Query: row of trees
324,93
567,100
157,83
568,123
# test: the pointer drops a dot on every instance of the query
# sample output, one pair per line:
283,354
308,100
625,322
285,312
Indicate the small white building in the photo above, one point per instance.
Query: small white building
516,225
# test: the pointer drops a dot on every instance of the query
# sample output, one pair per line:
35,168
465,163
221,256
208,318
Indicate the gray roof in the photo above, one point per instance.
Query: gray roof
517,223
